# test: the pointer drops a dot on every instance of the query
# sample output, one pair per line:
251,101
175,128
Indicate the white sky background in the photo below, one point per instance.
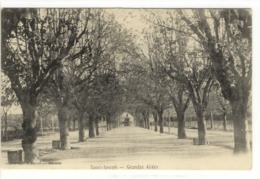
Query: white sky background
253,174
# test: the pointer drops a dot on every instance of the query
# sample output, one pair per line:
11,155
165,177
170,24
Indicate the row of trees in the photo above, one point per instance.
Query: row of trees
82,59
190,55
65,57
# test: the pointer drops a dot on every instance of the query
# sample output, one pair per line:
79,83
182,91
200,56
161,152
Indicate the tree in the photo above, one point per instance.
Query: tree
68,82
59,91
226,35
155,118
143,111
187,67
100,91
176,90
144,83
35,43
180,100
110,97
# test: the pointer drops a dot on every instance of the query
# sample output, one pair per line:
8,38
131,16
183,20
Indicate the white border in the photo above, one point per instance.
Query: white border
64,174
131,3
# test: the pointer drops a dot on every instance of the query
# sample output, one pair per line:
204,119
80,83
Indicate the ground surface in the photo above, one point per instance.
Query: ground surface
136,148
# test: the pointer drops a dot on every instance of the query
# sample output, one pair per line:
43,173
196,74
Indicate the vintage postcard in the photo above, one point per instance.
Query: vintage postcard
126,88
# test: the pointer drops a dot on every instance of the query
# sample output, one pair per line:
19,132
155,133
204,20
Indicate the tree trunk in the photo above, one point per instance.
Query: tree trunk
108,126
74,125
2,133
97,127
30,131
64,127
108,122
211,121
147,122
81,124
144,122
160,114
52,125
5,127
91,129
181,125
201,128
155,121
69,124
225,120
41,125
241,138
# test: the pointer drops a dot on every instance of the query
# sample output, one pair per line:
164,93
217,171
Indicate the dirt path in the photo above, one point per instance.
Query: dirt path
138,148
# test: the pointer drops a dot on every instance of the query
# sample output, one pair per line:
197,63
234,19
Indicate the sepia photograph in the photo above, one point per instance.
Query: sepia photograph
126,88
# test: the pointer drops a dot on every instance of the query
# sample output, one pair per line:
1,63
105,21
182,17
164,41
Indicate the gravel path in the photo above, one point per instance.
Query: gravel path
137,148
